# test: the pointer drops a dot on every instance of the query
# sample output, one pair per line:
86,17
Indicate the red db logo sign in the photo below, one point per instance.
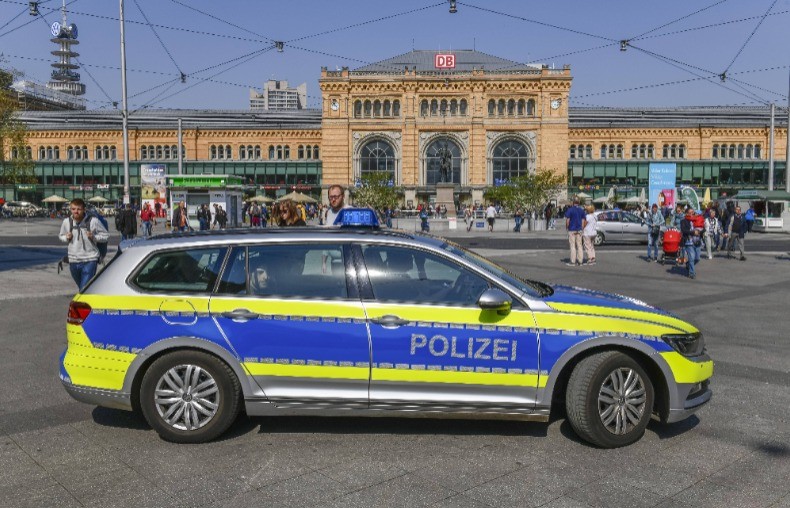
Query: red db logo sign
444,61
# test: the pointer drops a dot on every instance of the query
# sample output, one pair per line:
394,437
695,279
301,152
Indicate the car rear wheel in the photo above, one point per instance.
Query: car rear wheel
189,397
598,238
609,400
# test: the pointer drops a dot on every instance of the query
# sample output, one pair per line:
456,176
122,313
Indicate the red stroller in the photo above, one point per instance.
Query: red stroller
671,246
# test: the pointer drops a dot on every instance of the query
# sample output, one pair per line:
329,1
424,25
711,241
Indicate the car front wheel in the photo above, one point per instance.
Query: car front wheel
598,238
609,400
189,397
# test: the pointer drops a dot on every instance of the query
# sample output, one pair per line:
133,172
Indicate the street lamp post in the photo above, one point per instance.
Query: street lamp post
124,114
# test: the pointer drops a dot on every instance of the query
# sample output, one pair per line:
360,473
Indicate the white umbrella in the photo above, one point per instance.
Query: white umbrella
98,199
582,195
54,199
261,199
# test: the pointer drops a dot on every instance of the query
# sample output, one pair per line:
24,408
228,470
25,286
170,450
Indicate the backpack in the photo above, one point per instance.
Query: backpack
101,246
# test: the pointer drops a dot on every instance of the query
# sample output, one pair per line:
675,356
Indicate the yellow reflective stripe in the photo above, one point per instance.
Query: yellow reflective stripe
312,371
94,367
457,377
687,371
460,315
147,302
335,309
624,313
581,322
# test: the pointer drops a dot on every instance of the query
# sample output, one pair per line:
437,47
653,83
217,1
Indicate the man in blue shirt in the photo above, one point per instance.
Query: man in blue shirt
574,223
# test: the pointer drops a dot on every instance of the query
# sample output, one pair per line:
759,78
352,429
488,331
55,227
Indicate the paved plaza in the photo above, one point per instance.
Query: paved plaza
735,452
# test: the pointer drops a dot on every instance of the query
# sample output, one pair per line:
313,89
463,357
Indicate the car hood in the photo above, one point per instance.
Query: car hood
582,296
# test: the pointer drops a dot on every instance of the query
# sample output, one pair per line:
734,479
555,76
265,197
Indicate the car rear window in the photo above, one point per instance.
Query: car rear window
181,271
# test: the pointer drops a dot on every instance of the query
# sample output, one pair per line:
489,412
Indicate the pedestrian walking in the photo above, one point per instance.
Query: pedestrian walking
692,240
424,226
128,222
712,232
180,221
148,219
490,217
82,234
468,217
735,232
590,231
574,223
654,222
518,217
749,216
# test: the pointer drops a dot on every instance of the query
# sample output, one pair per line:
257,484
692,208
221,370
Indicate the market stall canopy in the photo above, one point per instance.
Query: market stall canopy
261,199
54,199
98,199
582,195
297,197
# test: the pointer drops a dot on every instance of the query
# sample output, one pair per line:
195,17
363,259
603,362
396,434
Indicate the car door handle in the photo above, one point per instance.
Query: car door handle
390,321
240,315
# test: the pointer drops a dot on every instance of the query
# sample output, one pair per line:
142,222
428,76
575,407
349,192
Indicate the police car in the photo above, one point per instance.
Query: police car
190,329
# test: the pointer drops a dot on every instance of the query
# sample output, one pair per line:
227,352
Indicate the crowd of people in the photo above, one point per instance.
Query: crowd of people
712,228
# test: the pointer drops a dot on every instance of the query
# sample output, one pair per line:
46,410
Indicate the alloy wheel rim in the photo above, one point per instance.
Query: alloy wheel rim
187,397
621,401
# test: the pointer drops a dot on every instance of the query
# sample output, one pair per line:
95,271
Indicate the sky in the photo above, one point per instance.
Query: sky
676,52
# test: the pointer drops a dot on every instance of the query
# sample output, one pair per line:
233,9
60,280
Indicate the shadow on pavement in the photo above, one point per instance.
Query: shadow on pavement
15,258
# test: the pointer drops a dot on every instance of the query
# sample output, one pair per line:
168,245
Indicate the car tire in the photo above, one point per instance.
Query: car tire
609,400
189,396
599,239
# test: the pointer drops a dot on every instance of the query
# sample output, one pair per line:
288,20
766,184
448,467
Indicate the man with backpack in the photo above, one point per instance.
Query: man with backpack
82,234
734,232
128,223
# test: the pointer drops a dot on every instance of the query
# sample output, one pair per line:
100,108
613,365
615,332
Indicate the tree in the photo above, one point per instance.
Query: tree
531,191
13,134
377,191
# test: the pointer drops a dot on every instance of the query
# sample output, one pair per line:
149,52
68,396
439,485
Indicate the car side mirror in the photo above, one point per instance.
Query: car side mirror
495,299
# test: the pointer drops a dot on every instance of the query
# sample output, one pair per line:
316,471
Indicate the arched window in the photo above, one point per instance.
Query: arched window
443,107
315,152
357,109
287,152
511,107
642,151
619,153
396,108
377,108
257,152
158,152
749,151
387,108
491,107
212,152
434,107
731,152
588,152
462,107
715,153
453,107
651,151
309,152
300,152
106,152
69,153
520,108
271,152
510,160
279,152
634,151
740,151
665,151
610,155
681,151
424,108
438,150
531,107
242,153
500,107
572,153
603,151
368,108
757,152
42,153
97,155
376,156
167,152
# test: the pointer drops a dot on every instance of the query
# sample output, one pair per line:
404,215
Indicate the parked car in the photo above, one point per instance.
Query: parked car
192,328
620,226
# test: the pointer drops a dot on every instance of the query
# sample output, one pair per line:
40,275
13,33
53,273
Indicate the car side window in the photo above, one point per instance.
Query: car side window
291,271
234,278
181,271
627,217
399,274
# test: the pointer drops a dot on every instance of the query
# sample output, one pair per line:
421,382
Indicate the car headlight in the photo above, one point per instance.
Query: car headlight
687,344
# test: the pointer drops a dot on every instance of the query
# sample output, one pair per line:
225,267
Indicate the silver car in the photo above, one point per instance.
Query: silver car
620,226
191,330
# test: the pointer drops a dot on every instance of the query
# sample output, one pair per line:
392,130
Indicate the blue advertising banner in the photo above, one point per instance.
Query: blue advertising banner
661,184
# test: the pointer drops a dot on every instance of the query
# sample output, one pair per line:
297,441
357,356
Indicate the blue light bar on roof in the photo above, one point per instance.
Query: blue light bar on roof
357,217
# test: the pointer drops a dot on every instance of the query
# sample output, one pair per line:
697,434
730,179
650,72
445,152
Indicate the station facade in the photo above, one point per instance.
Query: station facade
489,118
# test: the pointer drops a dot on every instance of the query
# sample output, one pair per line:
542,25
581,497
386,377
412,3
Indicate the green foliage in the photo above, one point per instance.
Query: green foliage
530,191
13,134
377,192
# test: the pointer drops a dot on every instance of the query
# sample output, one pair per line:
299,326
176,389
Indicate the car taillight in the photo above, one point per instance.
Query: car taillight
78,312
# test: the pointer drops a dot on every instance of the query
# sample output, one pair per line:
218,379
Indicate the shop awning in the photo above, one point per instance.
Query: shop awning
762,195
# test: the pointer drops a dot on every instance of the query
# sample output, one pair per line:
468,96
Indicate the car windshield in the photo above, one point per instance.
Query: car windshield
530,287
